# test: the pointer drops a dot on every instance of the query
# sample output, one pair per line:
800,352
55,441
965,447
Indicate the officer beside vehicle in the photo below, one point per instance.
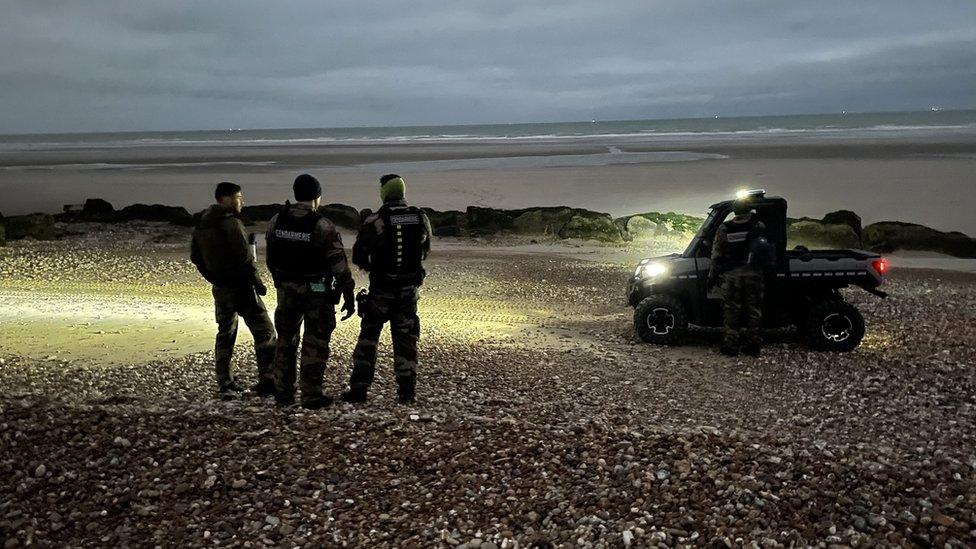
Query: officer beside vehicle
308,264
221,251
391,245
741,259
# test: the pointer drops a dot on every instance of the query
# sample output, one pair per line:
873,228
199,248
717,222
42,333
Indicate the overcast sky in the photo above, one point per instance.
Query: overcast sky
174,64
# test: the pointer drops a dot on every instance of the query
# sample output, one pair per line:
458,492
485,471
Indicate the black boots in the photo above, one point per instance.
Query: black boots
354,396
753,350
317,403
264,388
230,390
406,390
729,350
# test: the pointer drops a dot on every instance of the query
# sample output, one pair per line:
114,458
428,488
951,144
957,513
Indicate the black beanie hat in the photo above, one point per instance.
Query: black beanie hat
226,188
307,188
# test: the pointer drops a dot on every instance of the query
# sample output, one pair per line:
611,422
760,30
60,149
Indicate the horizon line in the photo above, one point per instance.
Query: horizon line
591,121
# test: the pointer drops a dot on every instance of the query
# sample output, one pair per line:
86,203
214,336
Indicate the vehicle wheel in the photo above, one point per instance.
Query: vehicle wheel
834,325
661,319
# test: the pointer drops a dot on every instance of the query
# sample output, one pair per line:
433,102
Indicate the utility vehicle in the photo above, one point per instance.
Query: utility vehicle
670,293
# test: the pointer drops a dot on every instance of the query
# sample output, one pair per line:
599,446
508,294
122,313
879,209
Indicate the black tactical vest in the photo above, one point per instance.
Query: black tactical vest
738,237
397,260
292,253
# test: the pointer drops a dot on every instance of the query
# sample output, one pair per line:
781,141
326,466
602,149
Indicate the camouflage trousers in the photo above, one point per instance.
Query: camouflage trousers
399,308
742,298
297,304
231,304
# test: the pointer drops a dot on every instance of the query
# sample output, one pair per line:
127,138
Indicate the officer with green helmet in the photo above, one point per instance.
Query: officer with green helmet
391,245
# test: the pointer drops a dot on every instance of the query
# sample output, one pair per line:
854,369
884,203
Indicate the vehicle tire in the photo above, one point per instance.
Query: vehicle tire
661,319
834,325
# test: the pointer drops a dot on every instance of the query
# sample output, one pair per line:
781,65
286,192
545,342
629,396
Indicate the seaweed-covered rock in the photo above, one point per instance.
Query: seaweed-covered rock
652,225
176,215
543,221
844,217
39,226
591,226
816,234
341,215
260,212
639,227
888,236
449,223
97,209
488,221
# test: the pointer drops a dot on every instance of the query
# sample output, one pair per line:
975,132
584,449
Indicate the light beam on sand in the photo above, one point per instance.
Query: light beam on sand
119,322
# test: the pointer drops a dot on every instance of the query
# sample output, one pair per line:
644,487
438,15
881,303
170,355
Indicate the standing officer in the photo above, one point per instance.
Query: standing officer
391,246
309,268
221,252
740,257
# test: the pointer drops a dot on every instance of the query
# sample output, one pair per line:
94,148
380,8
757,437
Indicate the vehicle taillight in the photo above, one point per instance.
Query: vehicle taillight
880,265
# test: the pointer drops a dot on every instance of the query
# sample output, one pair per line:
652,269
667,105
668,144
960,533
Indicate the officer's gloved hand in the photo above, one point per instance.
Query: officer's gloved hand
348,304
260,288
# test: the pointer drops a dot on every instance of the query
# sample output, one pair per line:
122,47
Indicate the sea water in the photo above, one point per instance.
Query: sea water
922,124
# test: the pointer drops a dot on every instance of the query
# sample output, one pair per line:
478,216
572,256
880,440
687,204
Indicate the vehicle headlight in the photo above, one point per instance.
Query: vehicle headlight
654,270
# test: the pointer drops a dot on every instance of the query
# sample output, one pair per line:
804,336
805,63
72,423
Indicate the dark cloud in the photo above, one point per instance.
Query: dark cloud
123,65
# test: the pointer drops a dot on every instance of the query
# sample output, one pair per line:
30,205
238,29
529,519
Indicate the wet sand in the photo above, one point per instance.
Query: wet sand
930,183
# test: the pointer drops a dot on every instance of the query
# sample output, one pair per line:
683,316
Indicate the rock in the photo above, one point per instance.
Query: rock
238,484
96,209
815,234
664,224
272,520
122,442
341,215
260,212
38,226
450,223
591,226
542,221
888,236
3,233
628,538
488,221
844,217
40,471
640,228
286,529
156,212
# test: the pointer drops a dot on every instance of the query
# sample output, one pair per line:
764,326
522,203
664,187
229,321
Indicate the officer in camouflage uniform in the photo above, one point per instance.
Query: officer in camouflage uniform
391,246
221,252
741,256
308,263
